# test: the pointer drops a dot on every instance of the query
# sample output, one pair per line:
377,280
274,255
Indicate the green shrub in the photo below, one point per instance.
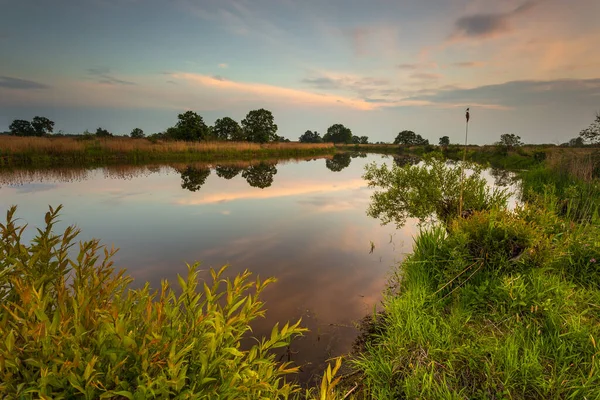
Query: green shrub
72,328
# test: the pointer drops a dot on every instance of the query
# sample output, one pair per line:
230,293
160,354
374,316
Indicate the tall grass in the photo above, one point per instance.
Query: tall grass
19,151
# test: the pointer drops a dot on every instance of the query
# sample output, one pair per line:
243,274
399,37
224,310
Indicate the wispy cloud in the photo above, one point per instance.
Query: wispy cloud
425,76
17,83
223,65
103,75
488,25
468,64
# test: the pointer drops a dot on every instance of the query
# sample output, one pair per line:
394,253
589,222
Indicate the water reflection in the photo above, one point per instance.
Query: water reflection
338,162
402,160
227,172
260,176
193,178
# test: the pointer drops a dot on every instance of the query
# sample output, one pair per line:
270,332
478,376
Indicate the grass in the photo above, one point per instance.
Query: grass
49,151
499,305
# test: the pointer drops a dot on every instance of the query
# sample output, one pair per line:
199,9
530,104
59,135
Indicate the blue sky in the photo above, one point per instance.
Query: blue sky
378,67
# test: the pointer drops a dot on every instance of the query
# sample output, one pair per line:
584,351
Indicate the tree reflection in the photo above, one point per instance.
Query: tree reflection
193,178
338,162
227,172
260,175
406,159
502,177
358,154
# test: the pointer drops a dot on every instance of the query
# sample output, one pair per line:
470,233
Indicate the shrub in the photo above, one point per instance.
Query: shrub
71,327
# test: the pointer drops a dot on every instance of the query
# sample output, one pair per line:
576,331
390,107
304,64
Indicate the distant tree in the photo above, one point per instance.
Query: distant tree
101,132
227,129
190,127
227,172
591,134
260,175
409,138
338,162
338,133
21,127
42,126
137,133
444,141
355,139
364,140
282,139
193,178
576,142
259,126
310,137
509,141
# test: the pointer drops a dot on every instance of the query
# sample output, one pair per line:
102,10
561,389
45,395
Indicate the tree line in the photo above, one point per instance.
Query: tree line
259,127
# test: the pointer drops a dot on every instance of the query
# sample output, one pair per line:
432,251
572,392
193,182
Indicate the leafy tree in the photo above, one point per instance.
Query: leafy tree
137,133
282,139
259,126
364,140
227,129
310,137
338,133
509,141
101,132
190,127
21,127
193,178
42,126
260,175
591,134
431,189
444,141
355,139
338,162
227,172
576,142
409,138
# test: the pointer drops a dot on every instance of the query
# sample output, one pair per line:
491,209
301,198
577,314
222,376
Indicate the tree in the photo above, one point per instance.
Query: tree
591,134
260,175
310,137
227,129
355,139
42,126
409,138
364,140
338,162
193,178
101,132
338,133
259,126
227,172
444,141
21,127
190,127
509,140
137,133
576,142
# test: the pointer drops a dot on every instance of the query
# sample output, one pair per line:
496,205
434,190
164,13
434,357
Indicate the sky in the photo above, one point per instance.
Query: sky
379,66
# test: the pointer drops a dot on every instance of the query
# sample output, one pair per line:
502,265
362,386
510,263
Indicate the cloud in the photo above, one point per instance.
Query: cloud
561,92
15,83
425,76
468,64
223,65
102,75
415,66
275,93
488,25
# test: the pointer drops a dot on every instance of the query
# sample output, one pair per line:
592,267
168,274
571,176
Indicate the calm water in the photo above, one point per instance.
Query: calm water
301,221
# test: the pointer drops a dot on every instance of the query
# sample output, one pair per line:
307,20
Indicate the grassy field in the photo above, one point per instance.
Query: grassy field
499,305
34,151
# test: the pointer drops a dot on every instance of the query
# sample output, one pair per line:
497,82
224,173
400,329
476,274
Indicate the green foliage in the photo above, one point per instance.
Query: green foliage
137,133
310,137
190,127
338,162
338,133
409,138
228,129
103,133
591,134
444,141
71,328
227,172
259,126
509,141
39,126
431,189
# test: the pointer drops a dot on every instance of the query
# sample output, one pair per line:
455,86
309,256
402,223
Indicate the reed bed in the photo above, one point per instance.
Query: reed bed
31,151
